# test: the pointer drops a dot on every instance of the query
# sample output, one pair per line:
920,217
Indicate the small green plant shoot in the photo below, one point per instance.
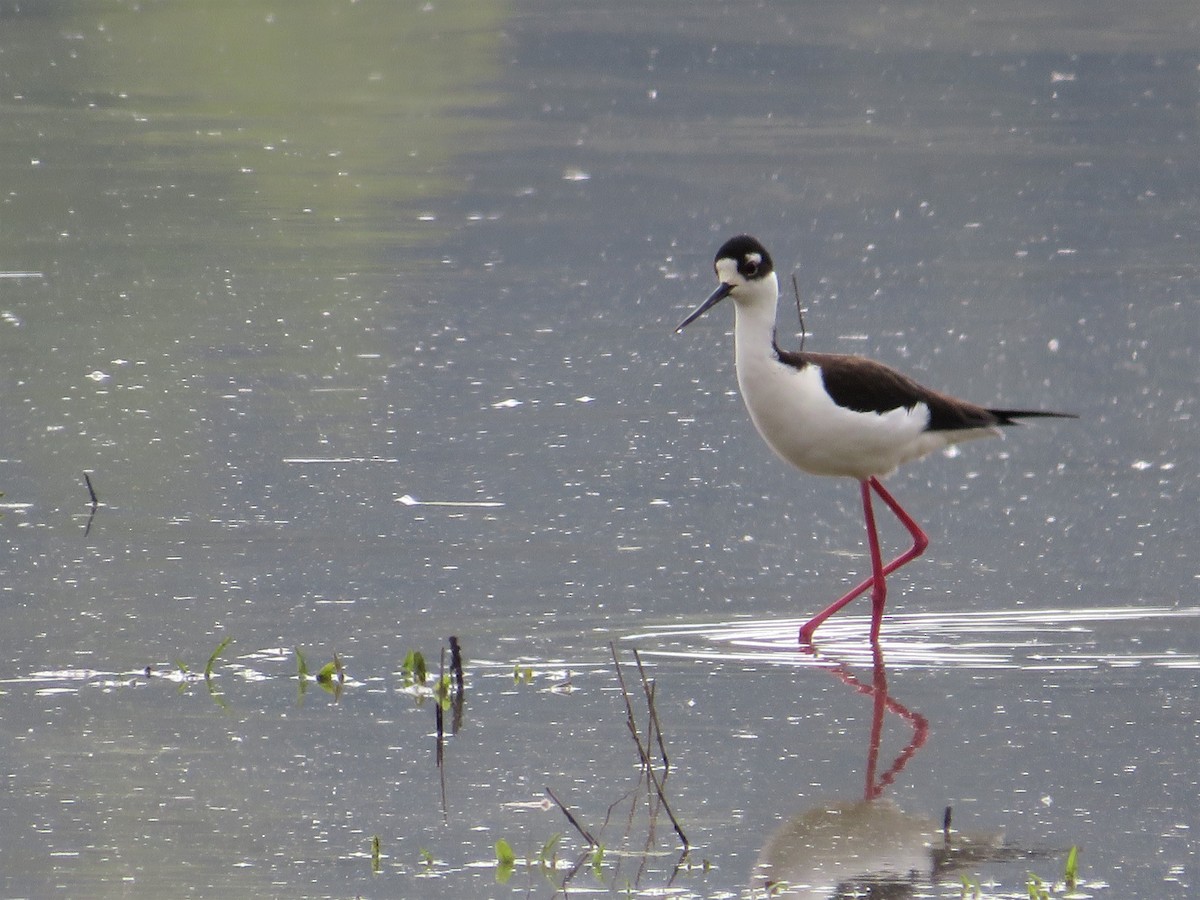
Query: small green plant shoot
443,693
597,861
506,861
1038,889
415,671
548,855
332,670
301,665
212,660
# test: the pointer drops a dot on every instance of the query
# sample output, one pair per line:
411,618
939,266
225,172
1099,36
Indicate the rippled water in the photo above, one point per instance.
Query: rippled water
359,319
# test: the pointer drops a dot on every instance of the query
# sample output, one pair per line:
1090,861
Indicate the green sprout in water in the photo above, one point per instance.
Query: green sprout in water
548,855
597,861
1038,889
506,861
522,674
376,856
212,660
415,671
331,670
442,692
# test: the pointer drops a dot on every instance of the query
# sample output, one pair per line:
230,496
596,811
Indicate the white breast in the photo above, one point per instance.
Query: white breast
802,424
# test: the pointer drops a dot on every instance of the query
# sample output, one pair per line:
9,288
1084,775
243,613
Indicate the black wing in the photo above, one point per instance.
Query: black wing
864,385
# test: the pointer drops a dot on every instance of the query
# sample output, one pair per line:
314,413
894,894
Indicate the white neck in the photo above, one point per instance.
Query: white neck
754,328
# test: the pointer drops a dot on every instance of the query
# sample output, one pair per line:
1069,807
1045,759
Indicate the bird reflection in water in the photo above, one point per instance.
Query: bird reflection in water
867,847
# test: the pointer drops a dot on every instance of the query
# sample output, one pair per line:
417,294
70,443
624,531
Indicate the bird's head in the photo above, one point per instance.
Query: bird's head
746,274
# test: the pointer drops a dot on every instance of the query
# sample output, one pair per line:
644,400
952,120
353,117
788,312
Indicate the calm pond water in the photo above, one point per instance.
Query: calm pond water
359,318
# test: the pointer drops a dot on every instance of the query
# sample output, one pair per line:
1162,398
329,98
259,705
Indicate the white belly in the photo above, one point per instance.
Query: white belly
802,424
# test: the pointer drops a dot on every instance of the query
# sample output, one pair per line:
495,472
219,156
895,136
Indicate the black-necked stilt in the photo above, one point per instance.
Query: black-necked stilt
832,414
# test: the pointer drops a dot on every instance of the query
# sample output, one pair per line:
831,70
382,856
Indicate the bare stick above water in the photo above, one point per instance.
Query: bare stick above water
655,781
648,688
87,479
587,835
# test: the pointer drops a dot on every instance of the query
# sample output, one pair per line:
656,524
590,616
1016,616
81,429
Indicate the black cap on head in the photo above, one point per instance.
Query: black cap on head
752,258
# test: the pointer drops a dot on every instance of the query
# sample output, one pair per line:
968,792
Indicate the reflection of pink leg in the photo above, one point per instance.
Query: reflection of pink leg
883,702
878,571
879,694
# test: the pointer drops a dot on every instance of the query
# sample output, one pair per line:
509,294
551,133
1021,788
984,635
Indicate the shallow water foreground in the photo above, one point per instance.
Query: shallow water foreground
359,319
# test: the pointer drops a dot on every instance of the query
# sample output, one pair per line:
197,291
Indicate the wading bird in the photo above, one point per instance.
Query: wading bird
833,414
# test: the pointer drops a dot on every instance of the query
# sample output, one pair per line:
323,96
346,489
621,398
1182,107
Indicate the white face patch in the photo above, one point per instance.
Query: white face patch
754,258
727,271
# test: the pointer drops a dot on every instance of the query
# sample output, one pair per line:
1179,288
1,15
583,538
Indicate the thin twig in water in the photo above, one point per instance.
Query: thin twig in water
658,789
87,529
438,712
649,688
441,736
650,773
629,719
587,835
456,662
87,479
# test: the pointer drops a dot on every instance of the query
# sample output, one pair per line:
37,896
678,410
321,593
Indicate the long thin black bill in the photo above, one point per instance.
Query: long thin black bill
716,297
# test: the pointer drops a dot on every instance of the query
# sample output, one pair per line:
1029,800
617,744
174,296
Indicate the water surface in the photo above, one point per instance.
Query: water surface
360,317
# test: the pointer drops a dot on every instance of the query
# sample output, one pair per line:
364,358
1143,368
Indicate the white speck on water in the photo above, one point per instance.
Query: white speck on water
1142,465
584,399
576,175
410,500
507,404
98,376
1052,345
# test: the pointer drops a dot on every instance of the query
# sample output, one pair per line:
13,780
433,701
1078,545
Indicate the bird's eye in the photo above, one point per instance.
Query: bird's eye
750,268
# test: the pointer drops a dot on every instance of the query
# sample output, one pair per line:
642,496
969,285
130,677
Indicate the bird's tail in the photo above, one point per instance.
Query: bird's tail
1010,416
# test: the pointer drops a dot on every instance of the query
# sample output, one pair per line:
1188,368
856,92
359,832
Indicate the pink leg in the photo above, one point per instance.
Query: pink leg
878,571
878,583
